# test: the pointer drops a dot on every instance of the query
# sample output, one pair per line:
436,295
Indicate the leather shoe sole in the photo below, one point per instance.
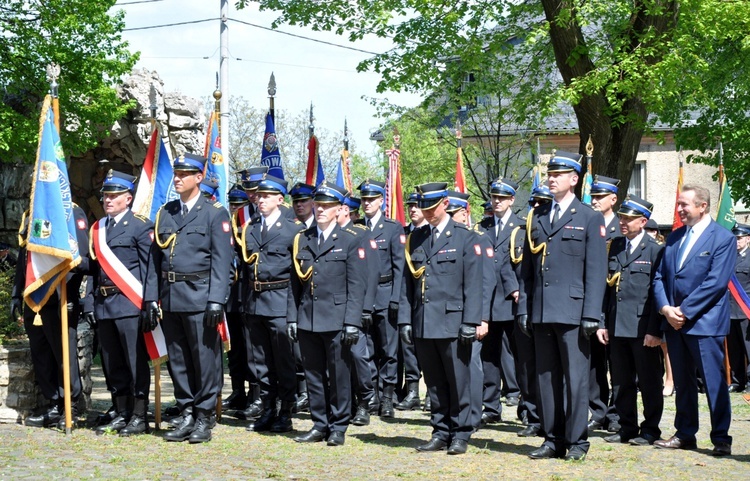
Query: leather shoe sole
544,452
674,443
432,445
458,446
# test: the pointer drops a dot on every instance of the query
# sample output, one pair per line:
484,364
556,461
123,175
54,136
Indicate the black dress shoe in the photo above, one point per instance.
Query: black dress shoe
544,452
674,443
172,411
312,436
137,425
49,417
613,427
362,417
183,431
236,400
427,404
734,388
411,401
434,444
595,425
116,425
336,438
617,438
490,418
253,411
303,403
576,453
643,440
528,432
722,449
202,431
458,446
511,401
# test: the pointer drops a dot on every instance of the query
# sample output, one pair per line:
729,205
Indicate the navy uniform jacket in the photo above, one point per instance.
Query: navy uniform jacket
613,229
569,284
489,280
742,270
506,273
273,264
333,295
629,308
373,269
389,237
200,244
699,287
130,240
452,283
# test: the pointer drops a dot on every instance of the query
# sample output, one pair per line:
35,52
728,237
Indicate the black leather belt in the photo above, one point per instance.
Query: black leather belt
259,286
179,276
384,279
108,290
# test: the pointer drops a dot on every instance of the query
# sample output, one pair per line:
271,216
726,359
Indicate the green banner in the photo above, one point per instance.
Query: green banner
725,215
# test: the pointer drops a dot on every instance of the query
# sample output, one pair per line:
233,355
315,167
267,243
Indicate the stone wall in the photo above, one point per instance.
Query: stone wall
181,121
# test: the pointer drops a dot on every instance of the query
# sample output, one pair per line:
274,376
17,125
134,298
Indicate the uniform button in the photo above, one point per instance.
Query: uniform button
619,299
428,262
315,298
316,260
427,275
426,301
316,273
546,268
549,239
546,284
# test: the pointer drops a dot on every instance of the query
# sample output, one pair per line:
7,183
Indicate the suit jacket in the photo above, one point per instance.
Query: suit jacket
569,283
699,287
274,263
452,283
334,294
202,243
506,273
131,241
629,308
742,271
389,237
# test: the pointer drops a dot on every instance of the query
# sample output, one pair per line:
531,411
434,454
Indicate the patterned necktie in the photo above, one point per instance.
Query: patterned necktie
184,211
263,231
628,247
369,224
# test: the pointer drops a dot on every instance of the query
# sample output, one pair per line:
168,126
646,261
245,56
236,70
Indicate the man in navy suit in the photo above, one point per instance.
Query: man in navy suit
690,290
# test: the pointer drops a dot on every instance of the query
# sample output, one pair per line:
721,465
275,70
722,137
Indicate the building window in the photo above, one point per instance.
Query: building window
637,185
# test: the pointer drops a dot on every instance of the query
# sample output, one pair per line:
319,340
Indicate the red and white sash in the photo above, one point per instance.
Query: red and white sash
131,287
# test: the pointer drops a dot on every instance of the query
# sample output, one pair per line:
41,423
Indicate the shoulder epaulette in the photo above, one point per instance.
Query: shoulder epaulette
462,226
360,226
351,231
142,217
218,205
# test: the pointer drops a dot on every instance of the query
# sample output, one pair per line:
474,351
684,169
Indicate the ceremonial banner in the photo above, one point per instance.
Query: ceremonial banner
536,178
588,180
269,154
343,173
216,169
315,173
394,202
459,184
725,218
155,187
51,243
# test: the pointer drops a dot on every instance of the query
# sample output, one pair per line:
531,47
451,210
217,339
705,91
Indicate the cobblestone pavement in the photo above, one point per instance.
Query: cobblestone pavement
382,450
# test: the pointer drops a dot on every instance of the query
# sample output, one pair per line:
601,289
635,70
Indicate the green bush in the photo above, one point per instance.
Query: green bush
9,328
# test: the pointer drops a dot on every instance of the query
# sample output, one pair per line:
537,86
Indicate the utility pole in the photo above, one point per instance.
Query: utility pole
224,77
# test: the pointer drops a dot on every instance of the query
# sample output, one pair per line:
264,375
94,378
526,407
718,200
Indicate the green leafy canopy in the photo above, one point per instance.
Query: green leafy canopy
84,38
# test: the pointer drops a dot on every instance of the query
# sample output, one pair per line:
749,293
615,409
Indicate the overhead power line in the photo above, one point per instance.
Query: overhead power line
303,37
170,24
136,2
149,27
